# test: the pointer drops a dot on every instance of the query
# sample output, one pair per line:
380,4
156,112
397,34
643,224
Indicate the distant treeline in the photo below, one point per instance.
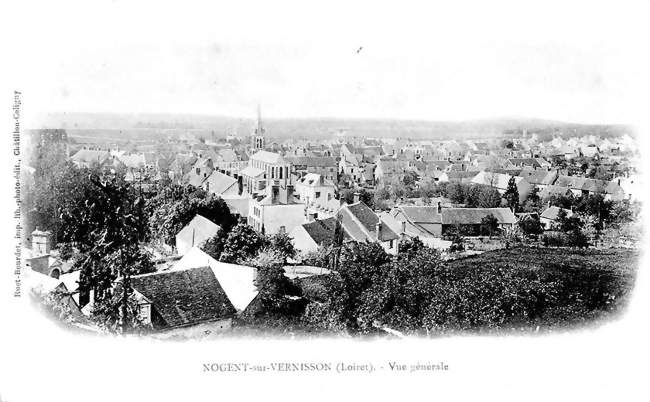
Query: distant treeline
144,124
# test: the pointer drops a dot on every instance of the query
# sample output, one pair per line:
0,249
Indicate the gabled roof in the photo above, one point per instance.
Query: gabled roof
238,205
184,297
539,176
201,226
473,216
322,231
417,214
360,223
218,182
268,157
237,281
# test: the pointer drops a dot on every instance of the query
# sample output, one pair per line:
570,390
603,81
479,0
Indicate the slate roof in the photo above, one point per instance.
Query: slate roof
473,216
184,297
360,223
427,214
312,161
237,281
268,157
219,182
322,231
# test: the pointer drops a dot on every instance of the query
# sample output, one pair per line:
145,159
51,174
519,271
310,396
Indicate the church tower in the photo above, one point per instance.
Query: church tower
257,139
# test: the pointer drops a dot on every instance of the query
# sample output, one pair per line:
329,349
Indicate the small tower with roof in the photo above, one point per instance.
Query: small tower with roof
257,139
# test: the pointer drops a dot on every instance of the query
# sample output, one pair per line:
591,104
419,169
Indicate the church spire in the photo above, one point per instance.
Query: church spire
257,140
260,129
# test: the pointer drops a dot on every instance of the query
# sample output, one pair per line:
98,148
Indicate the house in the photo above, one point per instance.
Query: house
222,185
276,211
553,190
85,158
43,286
631,185
194,233
237,281
324,166
582,186
549,217
456,177
311,235
351,169
500,182
389,168
183,302
315,189
420,222
469,220
532,163
540,178
436,221
361,224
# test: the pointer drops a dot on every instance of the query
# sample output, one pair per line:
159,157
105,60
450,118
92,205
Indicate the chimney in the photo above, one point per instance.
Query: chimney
403,227
41,242
439,207
275,194
379,230
356,197
289,192
311,216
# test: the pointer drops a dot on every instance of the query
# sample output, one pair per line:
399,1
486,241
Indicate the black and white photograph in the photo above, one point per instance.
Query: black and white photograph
325,201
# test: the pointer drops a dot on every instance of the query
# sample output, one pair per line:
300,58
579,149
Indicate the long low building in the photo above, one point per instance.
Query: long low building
435,221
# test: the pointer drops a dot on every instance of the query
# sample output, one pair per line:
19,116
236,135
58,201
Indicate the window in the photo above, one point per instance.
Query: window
317,194
391,244
329,196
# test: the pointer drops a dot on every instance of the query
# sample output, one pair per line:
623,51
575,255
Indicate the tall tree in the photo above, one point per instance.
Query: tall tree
512,194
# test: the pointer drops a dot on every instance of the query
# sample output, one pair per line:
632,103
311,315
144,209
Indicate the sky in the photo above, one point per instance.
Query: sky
578,61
